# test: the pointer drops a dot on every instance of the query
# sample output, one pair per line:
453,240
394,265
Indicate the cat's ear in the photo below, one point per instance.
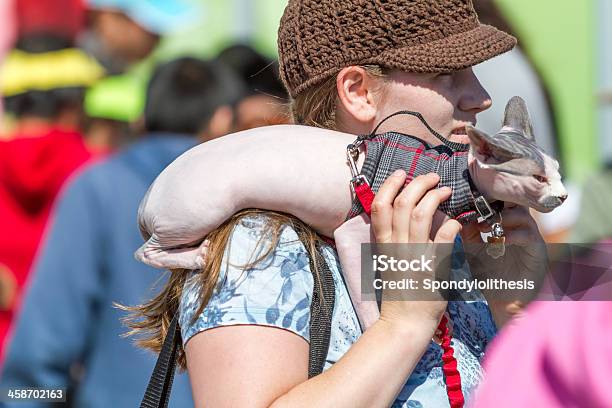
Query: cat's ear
486,149
517,117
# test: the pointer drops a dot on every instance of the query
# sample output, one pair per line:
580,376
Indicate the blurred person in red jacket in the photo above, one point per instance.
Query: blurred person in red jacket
42,82
63,18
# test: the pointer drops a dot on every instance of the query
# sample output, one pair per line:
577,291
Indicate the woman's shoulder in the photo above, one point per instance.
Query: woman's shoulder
258,284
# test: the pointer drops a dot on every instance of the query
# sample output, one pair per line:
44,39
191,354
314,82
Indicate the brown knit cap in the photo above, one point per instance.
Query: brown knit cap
317,38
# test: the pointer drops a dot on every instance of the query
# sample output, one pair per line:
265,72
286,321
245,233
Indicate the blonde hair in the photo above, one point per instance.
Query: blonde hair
149,322
317,105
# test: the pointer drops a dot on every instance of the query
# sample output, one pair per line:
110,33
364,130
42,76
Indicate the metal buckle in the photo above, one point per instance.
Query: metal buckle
497,231
352,154
484,208
357,181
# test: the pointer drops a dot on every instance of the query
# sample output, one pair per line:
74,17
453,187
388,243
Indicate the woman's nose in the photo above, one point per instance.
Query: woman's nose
474,97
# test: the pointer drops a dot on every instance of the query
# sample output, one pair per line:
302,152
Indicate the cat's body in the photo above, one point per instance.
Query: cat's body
508,166
303,171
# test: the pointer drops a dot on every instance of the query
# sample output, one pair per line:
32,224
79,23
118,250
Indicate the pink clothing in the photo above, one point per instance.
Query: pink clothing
558,355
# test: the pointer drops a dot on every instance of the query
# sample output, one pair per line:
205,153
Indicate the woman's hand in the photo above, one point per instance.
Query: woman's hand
407,218
525,258
519,227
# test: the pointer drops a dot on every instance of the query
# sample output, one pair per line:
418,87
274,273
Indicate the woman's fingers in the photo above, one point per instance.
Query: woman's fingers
520,236
519,225
517,217
470,233
512,217
405,203
392,213
448,232
422,215
382,206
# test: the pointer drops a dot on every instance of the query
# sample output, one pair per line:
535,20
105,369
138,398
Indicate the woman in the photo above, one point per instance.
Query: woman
244,317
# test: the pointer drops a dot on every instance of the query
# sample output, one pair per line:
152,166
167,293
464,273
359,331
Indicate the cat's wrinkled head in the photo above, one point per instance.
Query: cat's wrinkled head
510,166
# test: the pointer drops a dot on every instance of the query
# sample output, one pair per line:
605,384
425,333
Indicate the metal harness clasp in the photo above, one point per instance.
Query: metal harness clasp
484,208
487,214
352,155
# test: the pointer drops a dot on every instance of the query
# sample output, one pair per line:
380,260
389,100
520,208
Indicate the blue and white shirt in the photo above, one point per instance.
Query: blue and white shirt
278,290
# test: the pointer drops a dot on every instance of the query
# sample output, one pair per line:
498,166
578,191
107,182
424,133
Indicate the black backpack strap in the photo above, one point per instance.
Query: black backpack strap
321,312
157,394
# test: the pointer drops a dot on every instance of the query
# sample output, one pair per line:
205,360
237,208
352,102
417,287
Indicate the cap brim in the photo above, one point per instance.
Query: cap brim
452,53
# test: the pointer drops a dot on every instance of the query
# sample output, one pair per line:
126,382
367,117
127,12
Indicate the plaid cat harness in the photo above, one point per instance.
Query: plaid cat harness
388,152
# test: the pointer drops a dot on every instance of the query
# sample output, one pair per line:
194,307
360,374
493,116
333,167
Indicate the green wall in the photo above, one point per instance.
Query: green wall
559,36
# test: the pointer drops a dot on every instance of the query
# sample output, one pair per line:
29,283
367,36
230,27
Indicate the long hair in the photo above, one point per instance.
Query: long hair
149,322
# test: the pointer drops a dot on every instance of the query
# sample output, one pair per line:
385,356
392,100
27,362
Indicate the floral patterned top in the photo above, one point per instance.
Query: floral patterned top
277,292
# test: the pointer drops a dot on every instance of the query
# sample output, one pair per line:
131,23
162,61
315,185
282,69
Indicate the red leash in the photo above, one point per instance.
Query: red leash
452,377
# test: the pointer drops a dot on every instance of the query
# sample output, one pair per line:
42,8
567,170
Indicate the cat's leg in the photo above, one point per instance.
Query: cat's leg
298,170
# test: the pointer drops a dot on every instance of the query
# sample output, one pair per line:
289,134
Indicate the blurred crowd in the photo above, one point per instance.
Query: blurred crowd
91,115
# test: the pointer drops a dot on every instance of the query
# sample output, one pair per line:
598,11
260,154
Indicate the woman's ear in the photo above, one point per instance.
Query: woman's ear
356,94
